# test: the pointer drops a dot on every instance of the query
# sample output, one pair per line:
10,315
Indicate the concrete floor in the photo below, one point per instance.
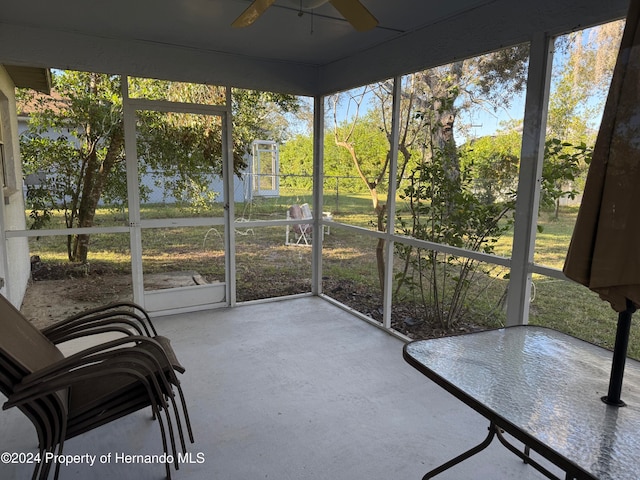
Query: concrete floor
295,389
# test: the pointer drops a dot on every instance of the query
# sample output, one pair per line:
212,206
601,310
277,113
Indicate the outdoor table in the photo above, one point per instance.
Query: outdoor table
543,388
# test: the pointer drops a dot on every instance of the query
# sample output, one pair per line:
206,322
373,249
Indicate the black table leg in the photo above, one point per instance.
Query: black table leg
494,431
463,456
525,456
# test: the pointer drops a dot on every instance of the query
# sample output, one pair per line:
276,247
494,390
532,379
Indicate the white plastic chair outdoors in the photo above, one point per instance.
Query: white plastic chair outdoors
302,232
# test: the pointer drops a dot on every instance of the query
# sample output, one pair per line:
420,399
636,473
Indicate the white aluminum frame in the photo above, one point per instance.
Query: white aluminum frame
532,156
521,262
190,298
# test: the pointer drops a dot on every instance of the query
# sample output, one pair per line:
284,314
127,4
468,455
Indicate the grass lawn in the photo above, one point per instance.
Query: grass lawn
266,267
563,305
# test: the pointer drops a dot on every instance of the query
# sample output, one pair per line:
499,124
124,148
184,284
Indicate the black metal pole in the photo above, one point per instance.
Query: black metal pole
619,356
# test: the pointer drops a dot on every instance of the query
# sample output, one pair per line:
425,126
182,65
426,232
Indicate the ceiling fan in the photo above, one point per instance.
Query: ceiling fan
352,10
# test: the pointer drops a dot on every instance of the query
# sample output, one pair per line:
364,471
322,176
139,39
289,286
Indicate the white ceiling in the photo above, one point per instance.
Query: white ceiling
312,54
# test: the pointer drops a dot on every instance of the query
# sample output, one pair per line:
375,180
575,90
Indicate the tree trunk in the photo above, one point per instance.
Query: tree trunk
444,93
94,182
379,209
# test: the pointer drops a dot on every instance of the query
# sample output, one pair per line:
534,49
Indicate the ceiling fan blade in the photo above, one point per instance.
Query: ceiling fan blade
356,14
252,13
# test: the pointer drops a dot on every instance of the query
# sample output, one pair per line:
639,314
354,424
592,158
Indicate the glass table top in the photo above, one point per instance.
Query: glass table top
549,386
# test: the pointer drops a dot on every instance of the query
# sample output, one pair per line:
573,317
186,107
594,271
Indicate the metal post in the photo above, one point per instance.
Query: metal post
391,202
229,201
318,191
529,181
619,356
133,193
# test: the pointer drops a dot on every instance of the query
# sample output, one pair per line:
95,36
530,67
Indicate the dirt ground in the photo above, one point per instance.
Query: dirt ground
47,301
55,293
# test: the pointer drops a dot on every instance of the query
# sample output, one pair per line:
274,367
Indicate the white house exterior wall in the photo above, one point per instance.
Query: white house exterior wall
15,267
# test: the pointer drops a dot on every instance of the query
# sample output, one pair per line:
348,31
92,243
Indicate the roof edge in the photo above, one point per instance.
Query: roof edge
35,78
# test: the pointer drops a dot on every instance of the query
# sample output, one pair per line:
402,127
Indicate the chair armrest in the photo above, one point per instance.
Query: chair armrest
153,350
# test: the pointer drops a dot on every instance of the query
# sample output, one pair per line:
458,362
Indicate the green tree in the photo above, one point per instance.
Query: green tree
583,65
76,144
445,210
363,142
492,162
430,103
296,165
296,162
441,93
563,163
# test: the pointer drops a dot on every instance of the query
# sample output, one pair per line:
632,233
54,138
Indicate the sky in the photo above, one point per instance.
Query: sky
470,124
480,122
477,123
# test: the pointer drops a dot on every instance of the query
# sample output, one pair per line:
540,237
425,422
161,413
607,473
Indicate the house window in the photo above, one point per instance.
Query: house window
4,177
6,152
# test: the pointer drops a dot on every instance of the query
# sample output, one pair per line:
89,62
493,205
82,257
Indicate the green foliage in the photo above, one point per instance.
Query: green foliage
296,163
493,164
502,73
581,76
70,140
258,116
445,210
371,147
369,140
470,212
563,163
75,144
183,151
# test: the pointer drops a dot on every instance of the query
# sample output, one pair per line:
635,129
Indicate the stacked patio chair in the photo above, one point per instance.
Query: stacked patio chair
125,318
66,396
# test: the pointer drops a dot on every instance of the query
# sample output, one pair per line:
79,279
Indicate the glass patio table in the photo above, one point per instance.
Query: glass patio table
543,388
